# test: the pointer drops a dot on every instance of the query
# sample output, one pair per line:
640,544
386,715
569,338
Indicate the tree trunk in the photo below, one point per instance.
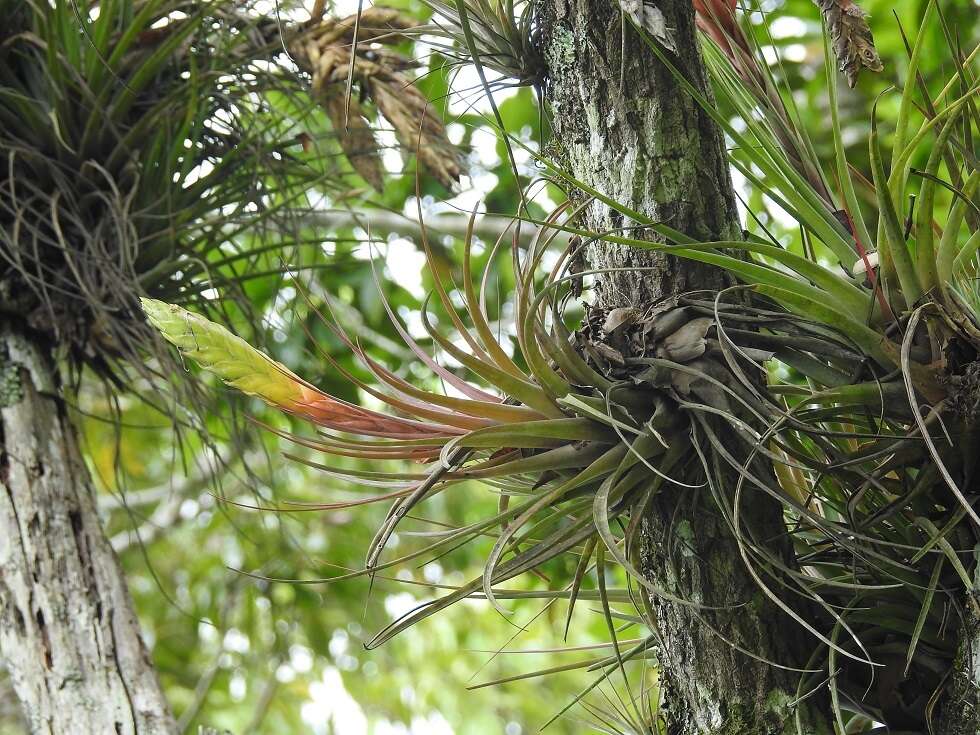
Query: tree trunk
960,709
626,128
68,634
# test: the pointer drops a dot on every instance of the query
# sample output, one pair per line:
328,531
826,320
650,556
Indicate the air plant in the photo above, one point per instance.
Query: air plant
139,158
846,392
500,34
594,426
160,151
746,83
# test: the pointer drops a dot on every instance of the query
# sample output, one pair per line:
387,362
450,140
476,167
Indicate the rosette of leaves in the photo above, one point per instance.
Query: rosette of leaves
501,34
161,149
578,431
357,54
140,157
878,447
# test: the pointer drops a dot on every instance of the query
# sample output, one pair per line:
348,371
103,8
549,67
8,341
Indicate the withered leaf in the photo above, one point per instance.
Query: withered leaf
650,18
377,23
613,355
657,376
688,342
601,352
667,318
325,49
757,355
699,386
417,126
851,35
620,317
355,136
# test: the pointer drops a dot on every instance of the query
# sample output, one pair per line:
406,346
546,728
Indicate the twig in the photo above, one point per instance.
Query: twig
207,679
265,699
488,227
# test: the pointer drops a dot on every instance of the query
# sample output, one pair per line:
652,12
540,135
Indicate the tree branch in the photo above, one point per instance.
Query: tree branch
380,223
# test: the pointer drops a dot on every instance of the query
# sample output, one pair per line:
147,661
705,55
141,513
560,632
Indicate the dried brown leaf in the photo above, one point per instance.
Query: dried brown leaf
319,8
646,15
851,36
355,136
688,342
417,126
620,317
377,23
326,51
609,353
700,387
666,318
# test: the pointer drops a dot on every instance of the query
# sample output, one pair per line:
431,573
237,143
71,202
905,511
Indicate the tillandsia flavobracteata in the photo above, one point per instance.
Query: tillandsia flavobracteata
600,419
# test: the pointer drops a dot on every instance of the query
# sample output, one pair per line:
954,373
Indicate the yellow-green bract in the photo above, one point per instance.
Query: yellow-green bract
243,367
219,351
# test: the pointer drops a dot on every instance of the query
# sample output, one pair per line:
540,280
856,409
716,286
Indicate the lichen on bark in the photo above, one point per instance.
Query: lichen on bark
627,129
959,711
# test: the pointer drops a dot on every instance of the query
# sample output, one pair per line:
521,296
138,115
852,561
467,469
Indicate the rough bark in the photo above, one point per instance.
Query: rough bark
623,125
68,634
626,129
960,709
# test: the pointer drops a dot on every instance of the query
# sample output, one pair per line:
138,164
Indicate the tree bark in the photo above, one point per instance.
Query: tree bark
959,713
68,634
626,128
